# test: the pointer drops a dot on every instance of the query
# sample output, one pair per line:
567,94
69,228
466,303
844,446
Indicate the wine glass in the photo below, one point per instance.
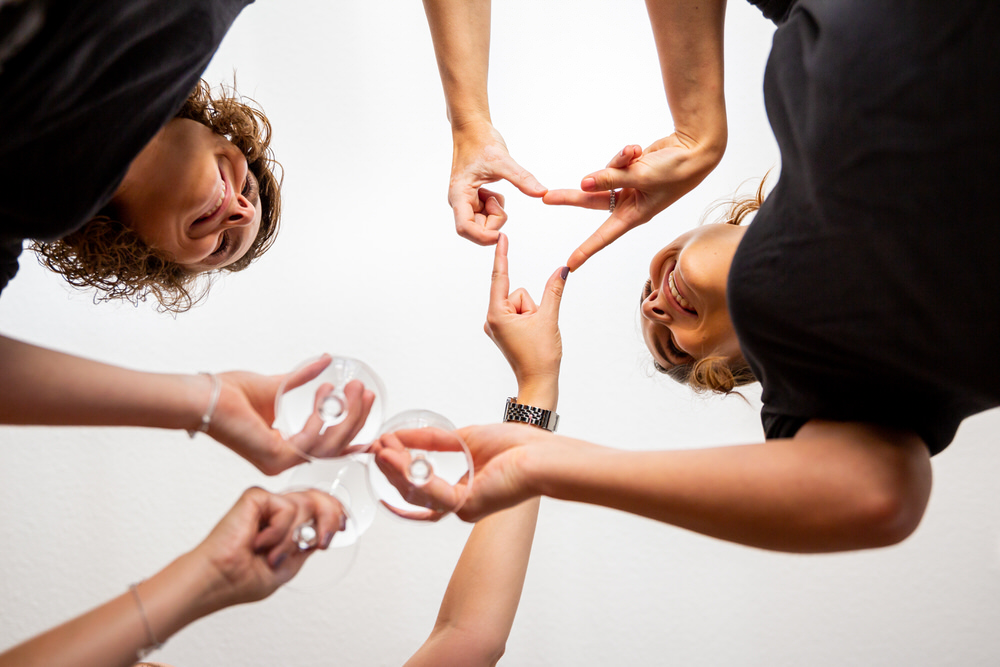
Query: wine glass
448,463
343,476
346,479
294,406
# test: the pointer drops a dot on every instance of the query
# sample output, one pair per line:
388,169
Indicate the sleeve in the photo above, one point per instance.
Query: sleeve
9,252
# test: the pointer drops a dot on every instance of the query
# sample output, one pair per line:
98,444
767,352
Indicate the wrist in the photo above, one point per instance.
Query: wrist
176,596
540,391
470,123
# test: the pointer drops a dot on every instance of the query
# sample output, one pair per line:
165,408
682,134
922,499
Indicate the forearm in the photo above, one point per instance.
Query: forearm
460,30
485,587
113,633
45,387
814,493
689,43
479,606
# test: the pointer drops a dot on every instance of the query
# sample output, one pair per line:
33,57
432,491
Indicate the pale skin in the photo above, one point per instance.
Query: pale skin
689,39
834,486
251,552
48,388
245,558
478,608
189,193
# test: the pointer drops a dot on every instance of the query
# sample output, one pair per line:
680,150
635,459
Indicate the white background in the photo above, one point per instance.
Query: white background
368,265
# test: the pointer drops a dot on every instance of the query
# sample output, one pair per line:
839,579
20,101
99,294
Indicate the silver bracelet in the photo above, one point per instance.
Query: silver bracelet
527,414
206,419
154,644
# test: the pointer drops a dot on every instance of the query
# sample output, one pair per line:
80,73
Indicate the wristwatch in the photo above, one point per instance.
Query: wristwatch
526,414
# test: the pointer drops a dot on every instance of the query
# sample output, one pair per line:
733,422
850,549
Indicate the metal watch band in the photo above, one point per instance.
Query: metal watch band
526,414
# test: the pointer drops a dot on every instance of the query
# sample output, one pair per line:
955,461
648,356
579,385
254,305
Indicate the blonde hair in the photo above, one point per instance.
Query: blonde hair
108,255
716,373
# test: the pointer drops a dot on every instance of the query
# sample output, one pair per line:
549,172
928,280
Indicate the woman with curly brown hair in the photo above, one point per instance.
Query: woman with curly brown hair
116,160
201,196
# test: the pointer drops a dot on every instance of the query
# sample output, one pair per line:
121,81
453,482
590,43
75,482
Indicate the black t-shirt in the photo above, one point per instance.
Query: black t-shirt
867,288
93,84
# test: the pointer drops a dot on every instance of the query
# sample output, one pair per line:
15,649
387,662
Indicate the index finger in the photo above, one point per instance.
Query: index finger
593,200
467,228
500,282
612,229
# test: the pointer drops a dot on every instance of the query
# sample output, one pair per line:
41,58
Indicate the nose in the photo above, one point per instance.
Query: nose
653,310
240,214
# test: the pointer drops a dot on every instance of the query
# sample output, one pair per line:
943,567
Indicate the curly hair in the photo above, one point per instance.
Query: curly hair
716,373
109,256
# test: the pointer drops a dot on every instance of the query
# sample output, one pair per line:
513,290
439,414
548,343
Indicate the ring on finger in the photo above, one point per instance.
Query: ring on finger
305,535
611,205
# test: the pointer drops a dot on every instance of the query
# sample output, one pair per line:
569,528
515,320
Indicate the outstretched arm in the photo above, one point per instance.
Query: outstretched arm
44,387
460,30
247,556
478,608
834,486
689,43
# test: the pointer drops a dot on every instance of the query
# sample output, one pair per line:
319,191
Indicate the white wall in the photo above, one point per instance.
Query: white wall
368,265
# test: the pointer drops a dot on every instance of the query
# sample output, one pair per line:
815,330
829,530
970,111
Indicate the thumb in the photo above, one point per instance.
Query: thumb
608,179
554,290
523,180
307,372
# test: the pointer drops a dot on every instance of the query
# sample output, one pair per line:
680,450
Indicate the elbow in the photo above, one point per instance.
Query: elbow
890,512
888,520
467,646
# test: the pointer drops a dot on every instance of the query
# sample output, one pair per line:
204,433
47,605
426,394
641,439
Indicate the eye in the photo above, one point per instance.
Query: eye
672,348
223,246
250,186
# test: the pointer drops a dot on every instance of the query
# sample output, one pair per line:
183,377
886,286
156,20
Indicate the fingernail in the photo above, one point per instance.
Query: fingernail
280,560
564,272
588,183
623,151
327,539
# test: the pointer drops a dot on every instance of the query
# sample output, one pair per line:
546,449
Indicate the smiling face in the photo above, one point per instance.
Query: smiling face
190,195
684,308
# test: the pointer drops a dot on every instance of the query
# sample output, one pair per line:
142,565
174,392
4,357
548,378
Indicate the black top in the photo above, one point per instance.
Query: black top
83,96
868,286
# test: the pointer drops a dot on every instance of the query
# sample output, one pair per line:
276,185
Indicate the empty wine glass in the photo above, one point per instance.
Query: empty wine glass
446,469
346,479
293,406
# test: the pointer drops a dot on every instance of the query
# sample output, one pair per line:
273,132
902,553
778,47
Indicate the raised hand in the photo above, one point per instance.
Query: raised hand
479,157
527,334
649,180
245,412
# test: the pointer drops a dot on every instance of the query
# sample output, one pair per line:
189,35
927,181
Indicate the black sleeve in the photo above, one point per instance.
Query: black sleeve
775,10
9,252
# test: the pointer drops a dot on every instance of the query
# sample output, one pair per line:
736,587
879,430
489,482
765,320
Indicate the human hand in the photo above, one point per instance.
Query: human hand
245,411
500,454
528,335
650,181
479,157
252,551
